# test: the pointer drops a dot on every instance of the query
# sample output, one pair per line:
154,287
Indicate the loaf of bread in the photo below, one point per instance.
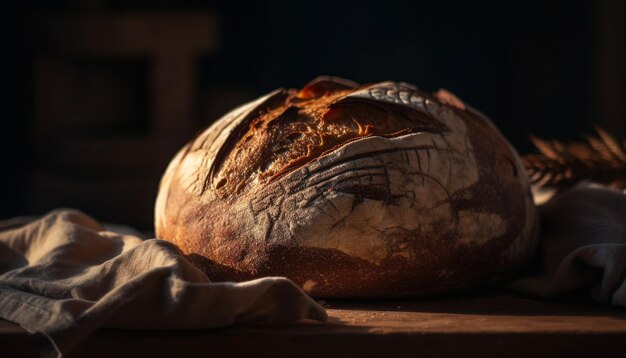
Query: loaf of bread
378,190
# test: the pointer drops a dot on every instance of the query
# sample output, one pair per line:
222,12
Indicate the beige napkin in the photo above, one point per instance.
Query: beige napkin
582,246
64,276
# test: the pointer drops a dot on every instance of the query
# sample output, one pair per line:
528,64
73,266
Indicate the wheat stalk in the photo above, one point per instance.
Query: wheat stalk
600,158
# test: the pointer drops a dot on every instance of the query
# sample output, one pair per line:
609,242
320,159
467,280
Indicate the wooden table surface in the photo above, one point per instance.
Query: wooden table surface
470,325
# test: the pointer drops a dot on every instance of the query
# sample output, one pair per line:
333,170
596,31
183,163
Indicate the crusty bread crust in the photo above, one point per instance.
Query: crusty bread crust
378,190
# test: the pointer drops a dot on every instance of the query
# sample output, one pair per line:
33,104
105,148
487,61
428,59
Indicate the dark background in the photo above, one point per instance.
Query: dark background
90,120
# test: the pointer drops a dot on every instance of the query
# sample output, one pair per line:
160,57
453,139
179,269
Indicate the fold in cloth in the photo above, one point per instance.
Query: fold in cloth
64,276
582,246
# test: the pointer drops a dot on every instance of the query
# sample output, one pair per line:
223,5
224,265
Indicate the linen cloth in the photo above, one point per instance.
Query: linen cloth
64,276
582,248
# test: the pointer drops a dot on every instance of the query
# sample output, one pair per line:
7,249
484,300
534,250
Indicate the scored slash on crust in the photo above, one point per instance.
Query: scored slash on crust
334,112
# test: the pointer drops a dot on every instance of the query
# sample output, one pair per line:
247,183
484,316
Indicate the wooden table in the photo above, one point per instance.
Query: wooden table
476,325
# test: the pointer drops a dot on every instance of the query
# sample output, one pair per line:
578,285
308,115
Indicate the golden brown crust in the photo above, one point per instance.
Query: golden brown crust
351,191
307,124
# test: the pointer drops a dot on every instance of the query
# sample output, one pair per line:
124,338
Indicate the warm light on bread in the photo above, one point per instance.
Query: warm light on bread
351,191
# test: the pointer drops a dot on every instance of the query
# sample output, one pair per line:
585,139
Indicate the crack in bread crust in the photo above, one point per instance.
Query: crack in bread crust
295,130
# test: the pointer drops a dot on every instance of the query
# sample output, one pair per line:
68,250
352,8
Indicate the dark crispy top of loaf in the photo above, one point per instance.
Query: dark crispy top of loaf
297,127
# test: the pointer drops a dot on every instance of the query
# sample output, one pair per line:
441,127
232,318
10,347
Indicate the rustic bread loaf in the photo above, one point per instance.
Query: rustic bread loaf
351,191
